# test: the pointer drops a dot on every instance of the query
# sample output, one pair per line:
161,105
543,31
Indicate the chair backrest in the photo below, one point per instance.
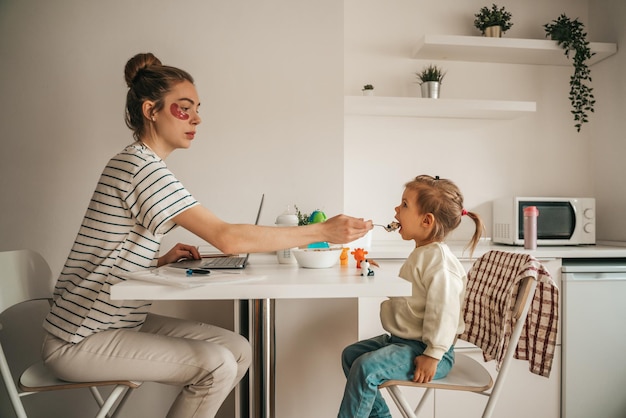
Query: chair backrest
523,294
24,275
499,286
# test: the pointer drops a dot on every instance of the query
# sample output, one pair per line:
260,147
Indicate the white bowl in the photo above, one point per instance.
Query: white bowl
317,258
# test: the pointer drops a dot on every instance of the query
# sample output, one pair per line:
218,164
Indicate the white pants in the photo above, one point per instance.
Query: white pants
206,360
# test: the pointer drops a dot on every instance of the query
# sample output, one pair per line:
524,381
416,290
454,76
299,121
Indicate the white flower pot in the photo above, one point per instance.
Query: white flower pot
430,89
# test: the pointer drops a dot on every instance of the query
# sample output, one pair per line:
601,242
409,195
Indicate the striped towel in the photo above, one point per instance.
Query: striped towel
492,283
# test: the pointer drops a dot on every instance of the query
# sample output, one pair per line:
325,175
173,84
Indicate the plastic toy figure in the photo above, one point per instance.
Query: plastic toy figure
365,268
359,255
343,258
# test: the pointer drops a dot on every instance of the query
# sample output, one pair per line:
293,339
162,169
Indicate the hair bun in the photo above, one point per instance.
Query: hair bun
137,63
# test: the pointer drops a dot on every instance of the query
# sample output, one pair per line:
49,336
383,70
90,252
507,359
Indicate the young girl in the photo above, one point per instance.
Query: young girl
421,328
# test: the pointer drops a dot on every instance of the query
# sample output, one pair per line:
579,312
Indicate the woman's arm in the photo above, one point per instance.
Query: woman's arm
245,238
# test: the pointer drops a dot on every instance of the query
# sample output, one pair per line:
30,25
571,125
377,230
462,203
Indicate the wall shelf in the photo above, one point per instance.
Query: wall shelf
502,50
475,49
436,108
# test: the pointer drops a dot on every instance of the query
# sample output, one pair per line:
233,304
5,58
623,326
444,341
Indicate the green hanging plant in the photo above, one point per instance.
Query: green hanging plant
571,36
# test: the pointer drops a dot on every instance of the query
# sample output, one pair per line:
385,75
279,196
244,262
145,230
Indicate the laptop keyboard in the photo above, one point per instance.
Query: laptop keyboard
223,262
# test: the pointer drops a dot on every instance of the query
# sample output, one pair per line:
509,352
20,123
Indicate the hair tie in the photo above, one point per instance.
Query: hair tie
463,212
436,177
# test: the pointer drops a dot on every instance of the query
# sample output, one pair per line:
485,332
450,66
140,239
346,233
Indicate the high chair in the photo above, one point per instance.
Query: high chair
500,290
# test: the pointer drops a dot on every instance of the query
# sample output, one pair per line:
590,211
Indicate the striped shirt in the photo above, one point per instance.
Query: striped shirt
129,213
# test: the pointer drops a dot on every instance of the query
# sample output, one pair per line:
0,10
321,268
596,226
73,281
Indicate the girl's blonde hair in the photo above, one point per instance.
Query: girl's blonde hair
444,200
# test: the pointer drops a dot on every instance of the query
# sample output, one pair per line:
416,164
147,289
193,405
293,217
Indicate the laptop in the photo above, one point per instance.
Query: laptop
219,261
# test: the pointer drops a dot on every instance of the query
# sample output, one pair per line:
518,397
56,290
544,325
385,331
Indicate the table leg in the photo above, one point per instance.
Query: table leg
257,390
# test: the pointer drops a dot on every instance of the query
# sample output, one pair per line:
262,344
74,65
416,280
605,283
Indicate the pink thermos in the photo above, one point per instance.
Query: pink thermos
530,227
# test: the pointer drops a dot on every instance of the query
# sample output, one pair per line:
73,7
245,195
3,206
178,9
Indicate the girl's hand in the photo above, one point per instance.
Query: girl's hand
179,252
425,368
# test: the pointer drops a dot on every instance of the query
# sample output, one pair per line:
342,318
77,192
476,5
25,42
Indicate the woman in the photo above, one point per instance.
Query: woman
136,202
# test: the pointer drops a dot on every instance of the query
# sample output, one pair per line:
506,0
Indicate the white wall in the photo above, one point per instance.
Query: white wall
539,154
269,81
269,75
607,133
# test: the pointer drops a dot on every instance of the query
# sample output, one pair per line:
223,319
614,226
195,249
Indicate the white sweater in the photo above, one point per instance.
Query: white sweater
433,313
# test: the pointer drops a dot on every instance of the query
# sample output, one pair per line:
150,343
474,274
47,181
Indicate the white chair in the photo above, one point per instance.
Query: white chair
25,278
487,278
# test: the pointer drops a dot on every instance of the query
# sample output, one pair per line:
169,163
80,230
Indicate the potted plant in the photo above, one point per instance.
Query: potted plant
493,22
368,90
430,80
303,218
571,36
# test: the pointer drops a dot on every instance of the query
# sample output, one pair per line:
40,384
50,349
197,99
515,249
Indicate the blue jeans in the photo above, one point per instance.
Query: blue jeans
369,363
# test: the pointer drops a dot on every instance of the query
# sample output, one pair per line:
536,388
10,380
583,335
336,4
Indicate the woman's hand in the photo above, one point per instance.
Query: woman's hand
425,368
342,228
178,252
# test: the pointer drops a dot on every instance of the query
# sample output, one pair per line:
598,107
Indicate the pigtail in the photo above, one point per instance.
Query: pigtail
478,232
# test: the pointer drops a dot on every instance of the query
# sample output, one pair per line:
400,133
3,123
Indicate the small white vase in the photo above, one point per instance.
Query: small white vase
368,92
430,89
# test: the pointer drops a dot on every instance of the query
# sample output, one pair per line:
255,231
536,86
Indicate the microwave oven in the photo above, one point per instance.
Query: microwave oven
561,220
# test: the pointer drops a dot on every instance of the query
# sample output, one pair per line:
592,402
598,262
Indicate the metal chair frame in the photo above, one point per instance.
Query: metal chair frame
24,277
468,374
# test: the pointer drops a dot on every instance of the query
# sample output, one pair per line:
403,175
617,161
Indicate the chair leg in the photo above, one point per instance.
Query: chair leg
123,401
96,395
422,401
10,385
403,405
108,404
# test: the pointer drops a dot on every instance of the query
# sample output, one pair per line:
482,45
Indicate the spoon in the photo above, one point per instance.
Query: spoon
391,227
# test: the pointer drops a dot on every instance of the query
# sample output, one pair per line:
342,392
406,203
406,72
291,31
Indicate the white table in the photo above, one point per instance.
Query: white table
255,313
